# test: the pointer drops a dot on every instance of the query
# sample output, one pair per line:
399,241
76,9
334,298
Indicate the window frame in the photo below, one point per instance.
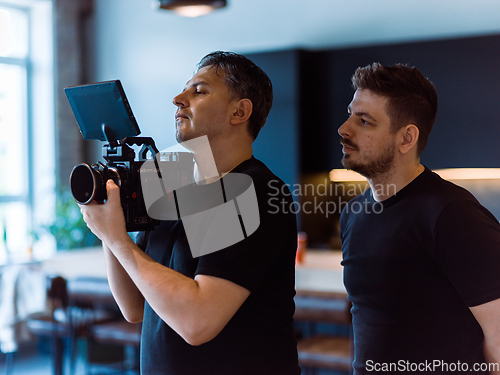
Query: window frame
38,124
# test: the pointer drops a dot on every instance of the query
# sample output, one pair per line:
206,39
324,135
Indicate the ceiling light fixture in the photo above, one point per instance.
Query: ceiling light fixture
190,8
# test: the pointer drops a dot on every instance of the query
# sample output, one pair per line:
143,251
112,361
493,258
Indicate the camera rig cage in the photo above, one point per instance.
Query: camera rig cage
102,112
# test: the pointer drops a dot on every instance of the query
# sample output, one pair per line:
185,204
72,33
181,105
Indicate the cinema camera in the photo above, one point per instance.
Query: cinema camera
102,112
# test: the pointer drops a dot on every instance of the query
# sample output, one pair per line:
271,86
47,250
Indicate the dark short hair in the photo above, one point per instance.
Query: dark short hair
412,97
245,80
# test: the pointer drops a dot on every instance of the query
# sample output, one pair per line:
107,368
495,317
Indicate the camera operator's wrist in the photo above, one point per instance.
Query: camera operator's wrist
116,243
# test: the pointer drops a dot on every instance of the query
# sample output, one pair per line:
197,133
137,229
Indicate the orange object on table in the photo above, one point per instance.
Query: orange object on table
301,247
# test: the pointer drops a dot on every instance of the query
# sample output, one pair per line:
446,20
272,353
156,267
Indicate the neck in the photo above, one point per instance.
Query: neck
222,160
387,185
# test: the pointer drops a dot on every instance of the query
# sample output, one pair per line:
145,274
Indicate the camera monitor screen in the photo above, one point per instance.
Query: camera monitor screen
102,103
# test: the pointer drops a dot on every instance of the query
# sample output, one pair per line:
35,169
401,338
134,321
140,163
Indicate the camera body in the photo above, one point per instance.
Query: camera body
88,182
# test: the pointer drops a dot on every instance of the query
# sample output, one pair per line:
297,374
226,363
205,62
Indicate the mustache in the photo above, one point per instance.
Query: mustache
348,143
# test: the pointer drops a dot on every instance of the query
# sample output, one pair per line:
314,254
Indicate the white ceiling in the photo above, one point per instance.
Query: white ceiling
256,25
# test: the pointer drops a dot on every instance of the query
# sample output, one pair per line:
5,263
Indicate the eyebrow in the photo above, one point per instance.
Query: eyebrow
362,114
194,84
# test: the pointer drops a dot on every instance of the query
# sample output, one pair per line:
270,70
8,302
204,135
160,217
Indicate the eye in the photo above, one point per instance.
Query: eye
199,90
364,122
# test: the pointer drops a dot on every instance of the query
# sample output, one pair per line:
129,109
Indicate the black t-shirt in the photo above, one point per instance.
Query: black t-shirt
259,339
413,265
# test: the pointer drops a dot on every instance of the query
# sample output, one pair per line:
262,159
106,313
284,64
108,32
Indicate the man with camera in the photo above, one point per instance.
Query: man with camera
230,311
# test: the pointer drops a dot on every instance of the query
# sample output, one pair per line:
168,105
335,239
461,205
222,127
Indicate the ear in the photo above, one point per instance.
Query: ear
242,111
409,138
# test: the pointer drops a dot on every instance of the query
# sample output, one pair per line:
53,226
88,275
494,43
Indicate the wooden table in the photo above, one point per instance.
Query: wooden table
321,295
320,271
74,263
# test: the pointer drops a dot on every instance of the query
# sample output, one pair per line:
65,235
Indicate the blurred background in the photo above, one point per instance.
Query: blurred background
308,48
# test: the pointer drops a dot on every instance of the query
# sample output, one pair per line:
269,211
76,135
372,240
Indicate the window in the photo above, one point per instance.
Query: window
26,118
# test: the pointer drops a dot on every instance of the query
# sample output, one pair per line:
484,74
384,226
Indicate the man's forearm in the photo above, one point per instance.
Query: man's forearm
127,295
173,296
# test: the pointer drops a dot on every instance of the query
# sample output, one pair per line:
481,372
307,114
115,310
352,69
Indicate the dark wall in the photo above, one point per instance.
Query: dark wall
278,142
465,73
318,131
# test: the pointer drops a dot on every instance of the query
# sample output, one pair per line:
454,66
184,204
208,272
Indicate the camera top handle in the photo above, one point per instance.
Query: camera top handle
114,148
148,144
122,151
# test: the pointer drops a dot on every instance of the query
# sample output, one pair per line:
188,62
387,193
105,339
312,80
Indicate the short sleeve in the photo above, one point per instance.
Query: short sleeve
249,261
468,243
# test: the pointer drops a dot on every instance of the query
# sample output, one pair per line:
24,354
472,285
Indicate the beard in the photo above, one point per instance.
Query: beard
184,133
187,130
371,168
180,137
181,134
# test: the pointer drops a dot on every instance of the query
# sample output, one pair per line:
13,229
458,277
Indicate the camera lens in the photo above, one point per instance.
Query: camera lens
86,184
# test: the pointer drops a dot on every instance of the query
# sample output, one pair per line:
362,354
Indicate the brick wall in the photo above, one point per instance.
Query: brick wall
70,18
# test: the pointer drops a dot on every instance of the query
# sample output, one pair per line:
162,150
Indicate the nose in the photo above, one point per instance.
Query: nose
344,129
180,100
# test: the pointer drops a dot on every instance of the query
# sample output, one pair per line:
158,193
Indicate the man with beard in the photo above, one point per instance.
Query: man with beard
225,312
421,270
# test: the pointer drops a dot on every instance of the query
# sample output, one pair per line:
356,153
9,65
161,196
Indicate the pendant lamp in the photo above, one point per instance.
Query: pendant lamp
191,8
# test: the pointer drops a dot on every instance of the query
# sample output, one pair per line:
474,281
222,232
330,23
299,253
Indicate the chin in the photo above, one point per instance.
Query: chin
182,136
346,163
361,169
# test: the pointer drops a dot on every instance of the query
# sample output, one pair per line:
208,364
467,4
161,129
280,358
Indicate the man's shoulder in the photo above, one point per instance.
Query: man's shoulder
427,193
440,192
254,168
262,177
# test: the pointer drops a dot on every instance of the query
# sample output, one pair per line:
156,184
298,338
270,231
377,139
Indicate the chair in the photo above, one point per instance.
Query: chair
324,351
22,293
54,324
70,315
119,333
